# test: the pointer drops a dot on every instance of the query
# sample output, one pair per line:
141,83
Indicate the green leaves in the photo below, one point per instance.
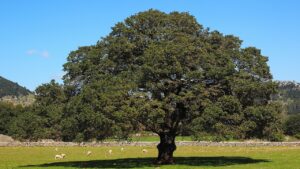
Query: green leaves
173,71
26,126
292,125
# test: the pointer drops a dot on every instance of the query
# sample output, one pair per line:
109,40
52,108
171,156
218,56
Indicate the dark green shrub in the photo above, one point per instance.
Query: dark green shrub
292,125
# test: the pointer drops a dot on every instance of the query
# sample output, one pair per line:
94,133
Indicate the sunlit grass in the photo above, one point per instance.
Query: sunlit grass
188,157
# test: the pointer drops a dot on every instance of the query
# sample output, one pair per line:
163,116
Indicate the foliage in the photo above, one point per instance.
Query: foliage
95,113
43,118
49,106
292,125
8,112
226,121
267,122
164,71
179,72
26,126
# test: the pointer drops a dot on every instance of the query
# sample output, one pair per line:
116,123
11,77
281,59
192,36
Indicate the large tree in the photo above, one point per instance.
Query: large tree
164,71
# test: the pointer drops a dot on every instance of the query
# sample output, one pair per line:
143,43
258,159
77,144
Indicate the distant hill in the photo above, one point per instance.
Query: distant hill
14,93
9,88
289,95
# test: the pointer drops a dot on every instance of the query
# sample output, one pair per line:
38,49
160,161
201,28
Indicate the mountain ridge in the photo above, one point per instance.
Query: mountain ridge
10,88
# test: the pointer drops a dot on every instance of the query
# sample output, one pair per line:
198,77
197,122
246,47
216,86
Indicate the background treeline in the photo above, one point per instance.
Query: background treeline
54,116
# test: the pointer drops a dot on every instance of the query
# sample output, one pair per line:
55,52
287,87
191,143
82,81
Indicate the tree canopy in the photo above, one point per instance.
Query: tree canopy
166,71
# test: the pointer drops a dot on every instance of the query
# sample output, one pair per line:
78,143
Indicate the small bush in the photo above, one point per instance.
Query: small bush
297,136
292,126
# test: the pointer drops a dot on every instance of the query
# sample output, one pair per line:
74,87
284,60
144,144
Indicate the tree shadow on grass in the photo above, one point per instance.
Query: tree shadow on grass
148,162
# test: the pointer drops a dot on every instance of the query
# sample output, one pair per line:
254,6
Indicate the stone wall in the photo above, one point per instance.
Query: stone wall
5,138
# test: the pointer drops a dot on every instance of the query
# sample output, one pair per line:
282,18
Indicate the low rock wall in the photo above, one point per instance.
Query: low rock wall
180,143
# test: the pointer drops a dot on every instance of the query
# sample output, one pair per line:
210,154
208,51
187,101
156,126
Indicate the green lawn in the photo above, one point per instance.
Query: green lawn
187,157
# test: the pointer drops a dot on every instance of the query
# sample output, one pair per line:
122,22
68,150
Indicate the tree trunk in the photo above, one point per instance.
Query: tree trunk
166,147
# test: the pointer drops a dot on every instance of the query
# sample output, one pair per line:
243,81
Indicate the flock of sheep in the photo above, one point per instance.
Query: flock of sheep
109,152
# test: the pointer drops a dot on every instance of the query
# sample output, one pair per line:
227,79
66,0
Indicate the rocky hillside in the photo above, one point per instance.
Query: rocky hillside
9,88
13,92
289,95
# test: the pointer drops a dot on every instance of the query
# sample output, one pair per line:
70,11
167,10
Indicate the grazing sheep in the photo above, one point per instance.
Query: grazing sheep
109,152
59,156
89,153
145,151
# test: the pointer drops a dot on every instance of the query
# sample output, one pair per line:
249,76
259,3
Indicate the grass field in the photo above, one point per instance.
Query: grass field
187,157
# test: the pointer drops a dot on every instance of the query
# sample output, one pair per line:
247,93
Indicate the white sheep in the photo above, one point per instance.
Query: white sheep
145,151
89,153
59,156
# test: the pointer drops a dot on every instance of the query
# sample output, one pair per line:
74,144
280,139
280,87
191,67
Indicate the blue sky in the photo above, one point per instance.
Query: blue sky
36,36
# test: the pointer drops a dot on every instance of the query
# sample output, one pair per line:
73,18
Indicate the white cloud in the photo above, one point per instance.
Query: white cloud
31,52
35,52
45,54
